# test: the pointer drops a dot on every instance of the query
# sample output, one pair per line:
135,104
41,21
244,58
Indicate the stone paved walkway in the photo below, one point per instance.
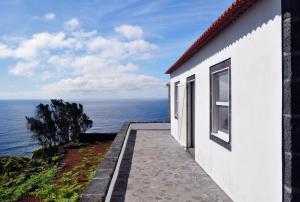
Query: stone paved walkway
156,168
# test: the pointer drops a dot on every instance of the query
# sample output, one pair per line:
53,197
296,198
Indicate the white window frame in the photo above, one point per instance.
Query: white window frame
220,136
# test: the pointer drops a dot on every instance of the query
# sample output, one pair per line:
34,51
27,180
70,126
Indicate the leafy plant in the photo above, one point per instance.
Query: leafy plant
66,178
70,192
44,153
40,178
12,164
48,192
16,192
66,190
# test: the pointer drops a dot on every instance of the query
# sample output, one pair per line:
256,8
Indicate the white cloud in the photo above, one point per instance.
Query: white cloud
24,69
141,47
83,34
5,51
72,24
60,60
49,16
111,48
100,43
130,67
29,49
130,31
84,63
114,84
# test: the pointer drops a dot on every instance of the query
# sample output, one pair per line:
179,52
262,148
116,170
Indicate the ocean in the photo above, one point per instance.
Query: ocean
108,116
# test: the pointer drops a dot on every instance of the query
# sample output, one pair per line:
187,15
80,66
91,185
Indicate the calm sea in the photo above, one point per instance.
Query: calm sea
108,116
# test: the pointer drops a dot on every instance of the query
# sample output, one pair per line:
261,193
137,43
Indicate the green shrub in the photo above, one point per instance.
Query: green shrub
4,179
47,192
36,163
1,168
66,190
12,164
15,193
66,178
44,153
69,193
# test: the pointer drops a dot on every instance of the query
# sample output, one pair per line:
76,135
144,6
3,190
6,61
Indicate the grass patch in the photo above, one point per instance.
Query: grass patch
45,181
24,183
66,190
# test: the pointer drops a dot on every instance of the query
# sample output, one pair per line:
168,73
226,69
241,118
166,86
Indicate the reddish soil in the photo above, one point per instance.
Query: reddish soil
78,160
30,198
85,157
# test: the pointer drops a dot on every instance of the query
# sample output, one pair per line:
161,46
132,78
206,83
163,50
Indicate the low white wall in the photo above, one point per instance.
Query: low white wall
252,171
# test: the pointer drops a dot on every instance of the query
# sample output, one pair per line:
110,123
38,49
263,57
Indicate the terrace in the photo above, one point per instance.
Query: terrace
145,163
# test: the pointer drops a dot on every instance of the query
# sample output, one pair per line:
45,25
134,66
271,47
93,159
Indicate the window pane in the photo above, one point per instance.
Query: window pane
223,123
223,85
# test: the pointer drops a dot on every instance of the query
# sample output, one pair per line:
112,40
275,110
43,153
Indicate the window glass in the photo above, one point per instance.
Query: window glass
223,123
223,86
220,103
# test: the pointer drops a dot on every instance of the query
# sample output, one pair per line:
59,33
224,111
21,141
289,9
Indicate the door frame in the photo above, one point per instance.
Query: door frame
190,115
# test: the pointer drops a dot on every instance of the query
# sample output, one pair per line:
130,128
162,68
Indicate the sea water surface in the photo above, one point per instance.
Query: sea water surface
108,116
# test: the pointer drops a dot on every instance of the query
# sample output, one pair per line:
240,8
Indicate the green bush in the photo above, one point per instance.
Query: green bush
12,164
4,178
70,193
36,163
1,168
47,192
16,192
66,190
44,153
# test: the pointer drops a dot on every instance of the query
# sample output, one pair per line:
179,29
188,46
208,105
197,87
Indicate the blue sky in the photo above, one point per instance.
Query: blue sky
96,49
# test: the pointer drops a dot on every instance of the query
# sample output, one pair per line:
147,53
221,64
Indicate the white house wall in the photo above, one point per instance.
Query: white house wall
252,170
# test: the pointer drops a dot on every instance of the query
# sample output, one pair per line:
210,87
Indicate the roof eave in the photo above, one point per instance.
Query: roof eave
238,8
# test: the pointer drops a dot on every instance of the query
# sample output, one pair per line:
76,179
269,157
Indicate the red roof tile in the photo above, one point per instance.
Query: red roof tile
229,16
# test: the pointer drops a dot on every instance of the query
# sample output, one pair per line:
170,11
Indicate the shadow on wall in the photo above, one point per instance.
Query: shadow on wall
260,15
120,186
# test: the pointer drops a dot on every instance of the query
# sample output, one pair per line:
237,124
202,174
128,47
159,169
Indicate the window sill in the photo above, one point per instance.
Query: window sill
221,135
222,139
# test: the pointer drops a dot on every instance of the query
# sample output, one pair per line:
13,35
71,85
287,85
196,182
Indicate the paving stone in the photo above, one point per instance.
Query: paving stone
156,168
